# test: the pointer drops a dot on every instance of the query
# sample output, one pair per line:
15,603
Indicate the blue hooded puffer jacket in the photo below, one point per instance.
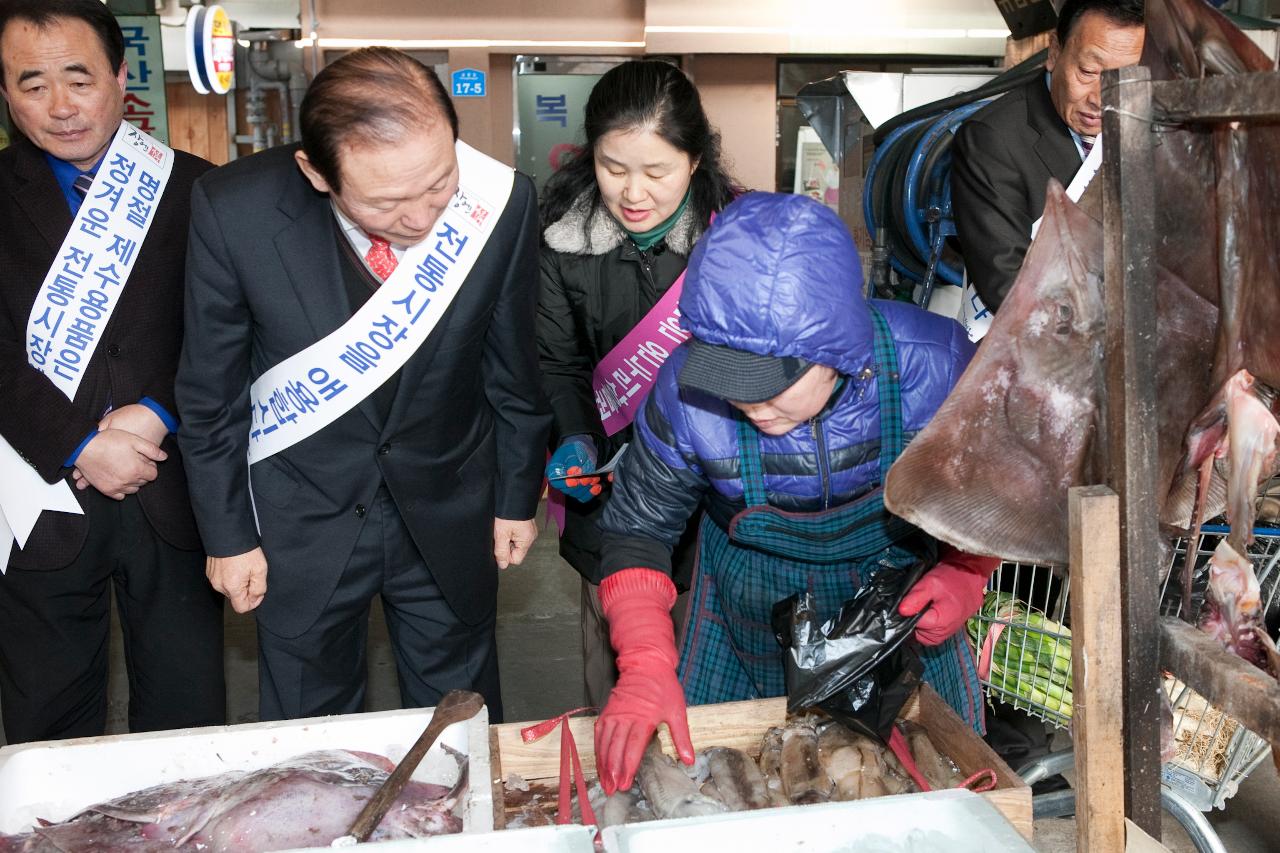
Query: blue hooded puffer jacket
775,275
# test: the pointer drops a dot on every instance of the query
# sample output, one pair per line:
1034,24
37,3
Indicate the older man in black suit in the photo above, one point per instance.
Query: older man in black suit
424,480
1007,152
64,79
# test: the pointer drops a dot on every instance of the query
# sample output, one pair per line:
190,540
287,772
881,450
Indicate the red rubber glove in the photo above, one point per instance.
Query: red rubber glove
637,603
952,590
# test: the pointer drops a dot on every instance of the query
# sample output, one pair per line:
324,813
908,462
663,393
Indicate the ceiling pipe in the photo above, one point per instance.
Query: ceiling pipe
171,13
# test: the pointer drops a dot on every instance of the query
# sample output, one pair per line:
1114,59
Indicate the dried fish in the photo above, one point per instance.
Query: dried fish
854,763
669,790
738,779
622,807
771,766
803,779
937,769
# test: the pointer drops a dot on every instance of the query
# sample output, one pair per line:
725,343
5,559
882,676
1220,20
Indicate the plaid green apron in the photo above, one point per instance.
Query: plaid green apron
728,651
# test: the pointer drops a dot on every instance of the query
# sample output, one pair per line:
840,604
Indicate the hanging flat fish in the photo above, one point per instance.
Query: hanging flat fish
1217,305
990,472
1233,606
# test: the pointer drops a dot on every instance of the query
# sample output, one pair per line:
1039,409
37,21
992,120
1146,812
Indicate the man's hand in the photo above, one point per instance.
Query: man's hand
242,578
117,463
137,419
512,540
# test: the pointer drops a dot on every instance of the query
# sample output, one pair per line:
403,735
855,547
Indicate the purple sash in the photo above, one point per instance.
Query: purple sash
622,379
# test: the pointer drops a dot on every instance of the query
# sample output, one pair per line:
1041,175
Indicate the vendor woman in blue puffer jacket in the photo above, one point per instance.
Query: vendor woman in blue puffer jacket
781,415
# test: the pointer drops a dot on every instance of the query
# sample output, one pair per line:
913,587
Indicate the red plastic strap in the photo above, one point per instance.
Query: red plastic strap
569,753
898,744
982,787
540,730
981,782
570,766
988,647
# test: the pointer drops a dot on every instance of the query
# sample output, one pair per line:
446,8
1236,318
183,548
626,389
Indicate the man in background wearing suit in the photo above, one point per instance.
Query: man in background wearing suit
427,482
64,78
1006,153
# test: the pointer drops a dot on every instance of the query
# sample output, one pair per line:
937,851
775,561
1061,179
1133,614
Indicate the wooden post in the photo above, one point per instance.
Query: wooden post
1097,665
1130,419
1234,686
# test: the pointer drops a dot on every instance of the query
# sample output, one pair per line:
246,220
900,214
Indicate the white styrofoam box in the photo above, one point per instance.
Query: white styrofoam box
56,779
535,839
955,821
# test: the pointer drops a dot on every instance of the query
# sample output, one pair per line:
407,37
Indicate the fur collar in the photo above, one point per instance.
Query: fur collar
588,230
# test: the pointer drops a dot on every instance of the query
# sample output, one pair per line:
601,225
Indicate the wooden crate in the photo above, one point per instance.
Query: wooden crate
742,725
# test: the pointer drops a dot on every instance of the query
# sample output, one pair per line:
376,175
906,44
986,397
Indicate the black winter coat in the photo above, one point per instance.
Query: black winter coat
596,286
137,356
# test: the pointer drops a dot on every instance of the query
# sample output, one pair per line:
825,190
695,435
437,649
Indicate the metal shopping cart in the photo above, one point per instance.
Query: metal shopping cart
1214,752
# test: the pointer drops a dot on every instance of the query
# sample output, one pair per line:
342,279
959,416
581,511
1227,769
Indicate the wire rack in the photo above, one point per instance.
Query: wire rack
1043,591
1214,752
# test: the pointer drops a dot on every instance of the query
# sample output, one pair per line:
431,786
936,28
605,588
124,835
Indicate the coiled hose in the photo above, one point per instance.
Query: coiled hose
906,199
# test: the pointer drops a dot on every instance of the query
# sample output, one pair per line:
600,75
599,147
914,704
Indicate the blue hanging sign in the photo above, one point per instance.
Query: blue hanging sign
468,83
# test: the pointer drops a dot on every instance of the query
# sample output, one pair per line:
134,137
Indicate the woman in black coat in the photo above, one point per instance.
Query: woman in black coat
619,222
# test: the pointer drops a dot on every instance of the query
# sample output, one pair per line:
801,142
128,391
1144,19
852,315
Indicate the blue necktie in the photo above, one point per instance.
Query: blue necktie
82,184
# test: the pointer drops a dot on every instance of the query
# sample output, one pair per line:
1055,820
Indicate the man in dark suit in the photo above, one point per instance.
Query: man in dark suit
1006,153
426,488
64,77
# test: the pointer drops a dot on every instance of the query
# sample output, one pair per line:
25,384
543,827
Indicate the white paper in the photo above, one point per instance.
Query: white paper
604,469
24,495
6,542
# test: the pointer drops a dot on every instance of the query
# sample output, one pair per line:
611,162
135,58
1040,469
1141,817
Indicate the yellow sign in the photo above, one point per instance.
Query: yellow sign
222,48
211,50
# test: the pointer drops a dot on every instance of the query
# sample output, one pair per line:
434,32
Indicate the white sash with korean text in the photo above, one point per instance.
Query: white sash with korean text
75,303
974,316
311,389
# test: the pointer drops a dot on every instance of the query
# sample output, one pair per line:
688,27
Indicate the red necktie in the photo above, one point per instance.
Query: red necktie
380,258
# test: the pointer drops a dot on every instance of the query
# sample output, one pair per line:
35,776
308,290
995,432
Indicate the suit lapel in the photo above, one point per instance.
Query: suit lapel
1055,147
309,254
39,195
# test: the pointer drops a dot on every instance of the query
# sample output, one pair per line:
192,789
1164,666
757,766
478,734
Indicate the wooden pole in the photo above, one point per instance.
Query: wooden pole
1234,686
1097,665
1130,419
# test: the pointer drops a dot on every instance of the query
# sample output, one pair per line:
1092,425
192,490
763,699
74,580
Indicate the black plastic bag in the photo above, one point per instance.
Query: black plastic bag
856,666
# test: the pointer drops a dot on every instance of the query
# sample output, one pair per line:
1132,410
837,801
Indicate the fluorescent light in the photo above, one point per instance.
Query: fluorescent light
438,44
693,29
717,30
831,32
